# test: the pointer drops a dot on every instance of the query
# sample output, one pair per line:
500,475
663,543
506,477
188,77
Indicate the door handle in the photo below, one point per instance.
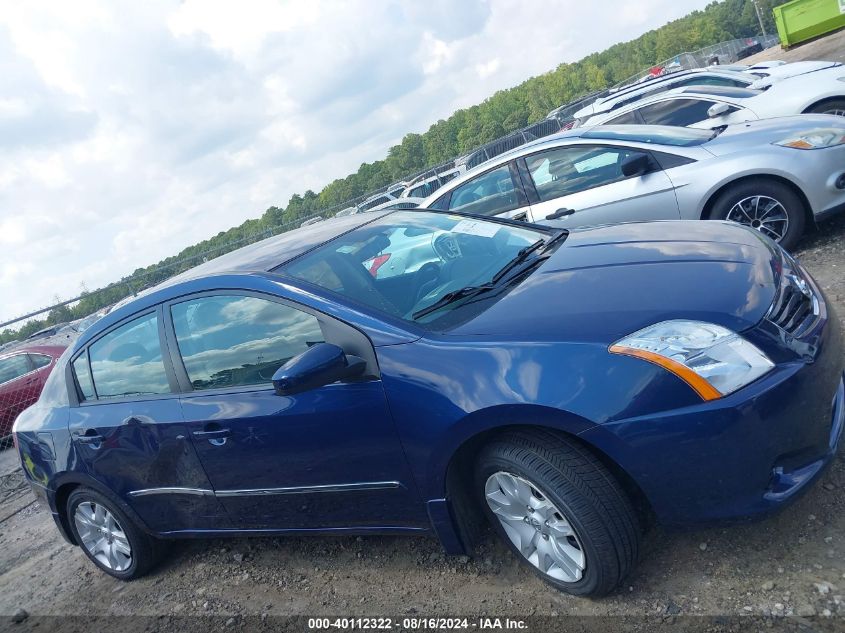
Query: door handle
90,439
560,213
216,434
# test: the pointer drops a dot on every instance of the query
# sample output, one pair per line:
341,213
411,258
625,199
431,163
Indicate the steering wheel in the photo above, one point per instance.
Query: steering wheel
447,247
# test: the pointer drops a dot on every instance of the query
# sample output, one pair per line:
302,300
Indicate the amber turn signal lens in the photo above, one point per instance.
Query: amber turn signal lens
698,384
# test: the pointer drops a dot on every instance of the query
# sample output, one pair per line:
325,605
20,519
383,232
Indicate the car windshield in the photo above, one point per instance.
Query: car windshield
405,262
657,134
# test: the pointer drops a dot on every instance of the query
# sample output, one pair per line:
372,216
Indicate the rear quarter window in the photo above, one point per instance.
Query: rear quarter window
83,377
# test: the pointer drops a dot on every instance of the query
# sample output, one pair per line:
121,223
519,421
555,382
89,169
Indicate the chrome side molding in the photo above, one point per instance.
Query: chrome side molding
251,492
298,490
172,491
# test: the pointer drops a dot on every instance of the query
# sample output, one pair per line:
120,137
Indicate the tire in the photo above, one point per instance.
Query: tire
570,491
754,199
831,106
143,549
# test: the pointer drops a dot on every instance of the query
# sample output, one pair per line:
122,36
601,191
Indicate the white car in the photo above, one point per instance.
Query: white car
398,203
713,76
425,185
820,92
767,76
375,201
310,221
751,77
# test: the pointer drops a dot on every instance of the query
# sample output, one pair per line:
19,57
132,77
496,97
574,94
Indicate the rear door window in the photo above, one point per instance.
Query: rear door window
13,367
40,360
127,361
236,341
490,193
629,118
713,81
680,112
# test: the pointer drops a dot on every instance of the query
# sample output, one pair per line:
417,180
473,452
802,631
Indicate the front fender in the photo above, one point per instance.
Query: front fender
491,420
694,200
442,393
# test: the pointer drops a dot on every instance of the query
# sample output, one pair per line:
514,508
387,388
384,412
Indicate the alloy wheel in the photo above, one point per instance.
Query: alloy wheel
762,213
536,527
102,536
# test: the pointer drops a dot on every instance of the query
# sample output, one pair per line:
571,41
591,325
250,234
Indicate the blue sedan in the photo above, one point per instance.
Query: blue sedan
567,387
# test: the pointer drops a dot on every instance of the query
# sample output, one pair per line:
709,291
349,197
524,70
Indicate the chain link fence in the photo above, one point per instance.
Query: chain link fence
730,52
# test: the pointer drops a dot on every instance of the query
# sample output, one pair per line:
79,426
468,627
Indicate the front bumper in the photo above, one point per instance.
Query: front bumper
744,455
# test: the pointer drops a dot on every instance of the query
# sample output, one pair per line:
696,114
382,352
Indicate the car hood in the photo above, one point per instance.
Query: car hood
741,137
605,282
778,73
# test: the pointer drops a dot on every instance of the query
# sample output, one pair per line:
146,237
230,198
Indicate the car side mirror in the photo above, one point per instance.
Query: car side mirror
718,109
319,365
635,165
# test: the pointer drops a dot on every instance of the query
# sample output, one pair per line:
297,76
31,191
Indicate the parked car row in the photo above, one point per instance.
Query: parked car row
25,365
762,174
710,106
701,97
22,376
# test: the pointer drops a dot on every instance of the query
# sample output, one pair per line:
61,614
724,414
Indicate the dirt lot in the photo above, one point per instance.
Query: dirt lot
791,564
830,48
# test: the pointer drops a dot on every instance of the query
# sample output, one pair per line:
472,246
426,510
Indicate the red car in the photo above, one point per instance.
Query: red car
22,375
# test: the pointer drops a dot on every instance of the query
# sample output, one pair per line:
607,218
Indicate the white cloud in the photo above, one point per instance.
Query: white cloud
129,130
488,68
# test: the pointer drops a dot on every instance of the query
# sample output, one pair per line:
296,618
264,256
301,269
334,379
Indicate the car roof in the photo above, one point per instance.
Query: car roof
50,350
657,81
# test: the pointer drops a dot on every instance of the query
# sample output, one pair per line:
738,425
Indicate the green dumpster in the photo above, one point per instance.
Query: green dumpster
802,20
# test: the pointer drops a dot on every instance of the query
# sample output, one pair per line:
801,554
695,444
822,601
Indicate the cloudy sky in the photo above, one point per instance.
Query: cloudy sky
129,130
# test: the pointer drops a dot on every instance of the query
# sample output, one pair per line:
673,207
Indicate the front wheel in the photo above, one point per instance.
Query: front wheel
765,205
560,511
108,536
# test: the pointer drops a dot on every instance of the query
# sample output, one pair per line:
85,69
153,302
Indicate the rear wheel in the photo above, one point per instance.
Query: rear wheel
559,510
108,536
766,205
831,106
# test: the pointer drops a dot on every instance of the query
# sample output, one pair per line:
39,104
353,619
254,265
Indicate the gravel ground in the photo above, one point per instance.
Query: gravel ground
831,47
792,564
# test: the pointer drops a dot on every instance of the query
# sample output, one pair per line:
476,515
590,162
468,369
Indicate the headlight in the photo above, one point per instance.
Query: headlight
815,139
713,360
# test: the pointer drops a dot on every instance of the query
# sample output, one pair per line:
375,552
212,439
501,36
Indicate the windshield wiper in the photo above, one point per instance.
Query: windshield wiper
523,254
451,297
472,291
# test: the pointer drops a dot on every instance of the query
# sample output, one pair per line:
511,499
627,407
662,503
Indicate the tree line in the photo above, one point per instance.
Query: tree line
463,131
